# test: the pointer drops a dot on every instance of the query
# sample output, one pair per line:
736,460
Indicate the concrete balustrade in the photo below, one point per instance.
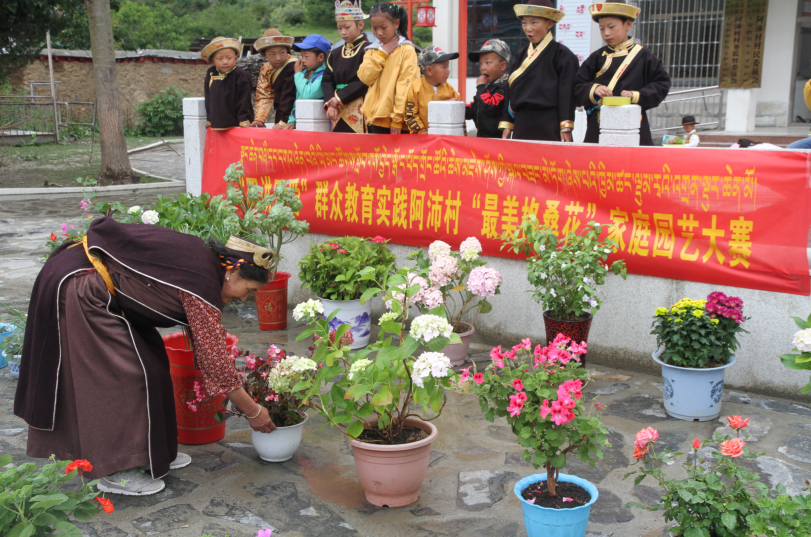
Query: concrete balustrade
311,117
194,137
619,125
446,117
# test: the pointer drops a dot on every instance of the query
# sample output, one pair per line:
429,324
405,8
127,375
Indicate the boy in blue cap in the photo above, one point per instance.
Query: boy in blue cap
309,70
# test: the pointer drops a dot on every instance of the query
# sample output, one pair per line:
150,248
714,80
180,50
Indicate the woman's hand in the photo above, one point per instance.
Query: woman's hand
603,91
262,423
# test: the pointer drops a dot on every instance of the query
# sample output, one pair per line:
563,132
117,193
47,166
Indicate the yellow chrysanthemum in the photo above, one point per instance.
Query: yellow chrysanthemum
676,320
661,311
698,313
714,321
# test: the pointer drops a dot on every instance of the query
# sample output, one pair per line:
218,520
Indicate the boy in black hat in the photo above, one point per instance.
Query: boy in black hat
688,123
492,89
542,79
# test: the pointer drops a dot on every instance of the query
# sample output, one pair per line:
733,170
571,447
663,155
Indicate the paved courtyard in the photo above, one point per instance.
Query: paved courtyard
228,490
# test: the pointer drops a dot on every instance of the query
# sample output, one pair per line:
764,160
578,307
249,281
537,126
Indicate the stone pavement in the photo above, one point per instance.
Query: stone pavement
166,161
228,490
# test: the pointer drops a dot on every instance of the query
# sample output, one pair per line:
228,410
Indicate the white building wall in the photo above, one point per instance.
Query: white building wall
774,96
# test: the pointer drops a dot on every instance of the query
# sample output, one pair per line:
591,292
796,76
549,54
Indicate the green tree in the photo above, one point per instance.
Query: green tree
155,26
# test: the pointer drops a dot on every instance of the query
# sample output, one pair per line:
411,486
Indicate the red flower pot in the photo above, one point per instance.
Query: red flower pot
576,330
193,427
271,303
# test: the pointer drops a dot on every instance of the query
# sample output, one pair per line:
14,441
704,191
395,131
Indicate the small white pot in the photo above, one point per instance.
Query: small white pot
14,365
353,313
280,445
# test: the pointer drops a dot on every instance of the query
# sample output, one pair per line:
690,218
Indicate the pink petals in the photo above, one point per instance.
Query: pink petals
565,499
532,501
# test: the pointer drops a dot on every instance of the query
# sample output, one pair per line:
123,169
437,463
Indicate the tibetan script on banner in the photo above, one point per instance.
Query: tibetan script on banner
742,46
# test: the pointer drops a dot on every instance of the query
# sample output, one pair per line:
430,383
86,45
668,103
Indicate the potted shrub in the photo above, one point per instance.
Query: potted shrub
461,283
11,339
268,219
718,496
565,274
802,345
539,391
384,406
696,340
332,270
277,383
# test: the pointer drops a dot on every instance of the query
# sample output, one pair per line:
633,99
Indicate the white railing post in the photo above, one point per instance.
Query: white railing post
619,125
311,117
446,117
194,138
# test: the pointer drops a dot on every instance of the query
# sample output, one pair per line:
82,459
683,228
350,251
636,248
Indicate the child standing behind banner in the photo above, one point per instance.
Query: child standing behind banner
492,88
309,71
623,68
275,87
343,90
433,86
388,68
542,81
227,88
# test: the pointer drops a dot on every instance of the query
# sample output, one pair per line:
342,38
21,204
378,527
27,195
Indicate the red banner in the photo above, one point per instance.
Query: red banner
738,218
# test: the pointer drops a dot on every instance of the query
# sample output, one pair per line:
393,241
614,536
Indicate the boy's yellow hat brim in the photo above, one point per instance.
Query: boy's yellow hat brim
219,43
273,38
529,10
610,9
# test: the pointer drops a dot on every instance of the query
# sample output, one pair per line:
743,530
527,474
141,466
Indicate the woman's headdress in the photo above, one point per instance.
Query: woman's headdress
261,255
349,10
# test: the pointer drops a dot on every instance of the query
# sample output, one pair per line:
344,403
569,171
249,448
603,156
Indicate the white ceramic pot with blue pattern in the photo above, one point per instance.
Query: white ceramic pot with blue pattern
692,394
14,365
353,313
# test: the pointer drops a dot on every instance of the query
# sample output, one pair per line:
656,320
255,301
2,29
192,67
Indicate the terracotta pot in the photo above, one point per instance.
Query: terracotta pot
271,303
457,352
193,427
392,476
576,330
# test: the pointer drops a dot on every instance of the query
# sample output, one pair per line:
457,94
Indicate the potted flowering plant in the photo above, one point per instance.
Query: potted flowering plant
332,269
718,495
565,273
384,406
460,283
539,391
270,220
277,383
802,345
11,340
696,340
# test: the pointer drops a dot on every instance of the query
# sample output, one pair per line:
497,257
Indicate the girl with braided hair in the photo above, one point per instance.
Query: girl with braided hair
94,378
389,67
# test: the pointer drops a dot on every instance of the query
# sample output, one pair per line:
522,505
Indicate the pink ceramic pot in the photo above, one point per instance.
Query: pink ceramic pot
457,352
392,476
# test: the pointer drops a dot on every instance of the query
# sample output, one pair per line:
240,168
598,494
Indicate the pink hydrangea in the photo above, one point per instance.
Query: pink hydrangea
432,297
398,293
438,249
484,281
443,269
470,248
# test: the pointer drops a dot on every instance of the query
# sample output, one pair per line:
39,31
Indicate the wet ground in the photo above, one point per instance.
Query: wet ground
228,490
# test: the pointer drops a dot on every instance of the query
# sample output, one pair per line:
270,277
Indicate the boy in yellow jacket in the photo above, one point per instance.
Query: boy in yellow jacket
433,86
388,68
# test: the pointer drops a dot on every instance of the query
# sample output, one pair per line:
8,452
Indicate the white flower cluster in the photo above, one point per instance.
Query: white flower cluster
434,364
150,217
135,209
470,248
310,309
427,327
359,367
285,373
298,364
438,249
388,316
802,340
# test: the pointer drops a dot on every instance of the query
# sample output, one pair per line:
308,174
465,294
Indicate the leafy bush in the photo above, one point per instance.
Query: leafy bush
163,113
34,503
12,345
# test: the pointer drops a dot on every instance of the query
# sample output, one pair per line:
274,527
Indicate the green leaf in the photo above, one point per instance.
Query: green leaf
790,362
382,397
391,327
354,429
485,306
729,520
357,391
45,519
28,530
5,460
68,529
408,347
369,294
306,333
435,402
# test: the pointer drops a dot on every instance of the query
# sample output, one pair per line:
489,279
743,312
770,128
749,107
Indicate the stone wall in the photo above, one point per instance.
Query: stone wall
137,81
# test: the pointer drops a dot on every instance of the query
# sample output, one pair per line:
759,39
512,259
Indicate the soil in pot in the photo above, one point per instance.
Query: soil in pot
540,493
407,436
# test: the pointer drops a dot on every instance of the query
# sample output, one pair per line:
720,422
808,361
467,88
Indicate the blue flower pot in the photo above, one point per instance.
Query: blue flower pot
5,331
545,522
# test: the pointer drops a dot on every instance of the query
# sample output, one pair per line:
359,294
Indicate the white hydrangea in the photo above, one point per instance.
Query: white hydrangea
135,209
150,217
359,367
299,364
802,340
434,364
387,317
470,248
427,327
311,308
438,248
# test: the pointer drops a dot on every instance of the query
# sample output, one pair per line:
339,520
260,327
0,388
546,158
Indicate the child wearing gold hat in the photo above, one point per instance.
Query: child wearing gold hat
276,86
227,88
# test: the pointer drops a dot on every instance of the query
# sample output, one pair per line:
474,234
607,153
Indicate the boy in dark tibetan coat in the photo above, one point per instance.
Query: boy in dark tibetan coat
227,88
343,90
542,80
492,88
622,68
276,87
